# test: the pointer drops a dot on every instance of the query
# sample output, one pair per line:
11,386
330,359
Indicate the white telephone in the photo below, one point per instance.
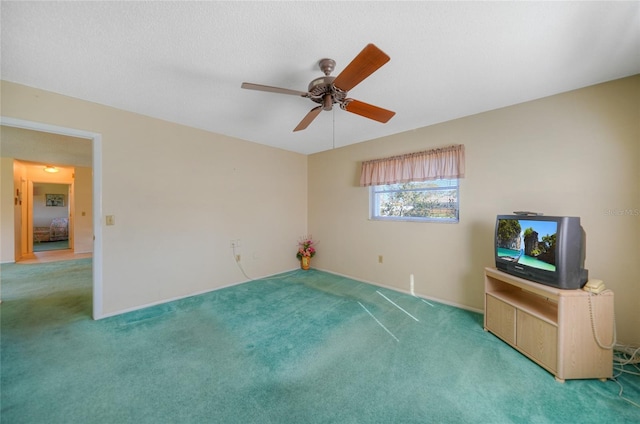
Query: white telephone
594,286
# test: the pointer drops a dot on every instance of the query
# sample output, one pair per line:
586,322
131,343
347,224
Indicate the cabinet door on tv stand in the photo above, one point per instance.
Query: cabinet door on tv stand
538,339
501,319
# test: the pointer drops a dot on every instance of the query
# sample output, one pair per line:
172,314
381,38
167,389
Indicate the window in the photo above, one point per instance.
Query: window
425,201
421,186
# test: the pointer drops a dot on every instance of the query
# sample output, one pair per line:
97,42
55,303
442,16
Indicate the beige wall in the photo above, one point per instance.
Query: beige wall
574,154
179,196
43,214
83,210
7,215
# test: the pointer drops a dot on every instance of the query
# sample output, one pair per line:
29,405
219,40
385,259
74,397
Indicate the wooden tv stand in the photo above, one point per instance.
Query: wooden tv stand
550,326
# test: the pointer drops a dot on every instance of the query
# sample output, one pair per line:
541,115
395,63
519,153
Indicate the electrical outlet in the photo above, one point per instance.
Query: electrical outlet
235,243
379,259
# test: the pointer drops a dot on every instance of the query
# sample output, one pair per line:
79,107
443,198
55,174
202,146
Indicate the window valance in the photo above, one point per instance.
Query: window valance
435,164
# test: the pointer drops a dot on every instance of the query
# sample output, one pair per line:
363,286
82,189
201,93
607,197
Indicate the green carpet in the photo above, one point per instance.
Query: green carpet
50,245
302,347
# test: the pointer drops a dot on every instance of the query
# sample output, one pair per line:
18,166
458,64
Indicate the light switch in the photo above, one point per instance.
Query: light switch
111,220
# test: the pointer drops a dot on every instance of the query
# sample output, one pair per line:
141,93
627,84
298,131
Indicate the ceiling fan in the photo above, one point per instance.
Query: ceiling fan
328,90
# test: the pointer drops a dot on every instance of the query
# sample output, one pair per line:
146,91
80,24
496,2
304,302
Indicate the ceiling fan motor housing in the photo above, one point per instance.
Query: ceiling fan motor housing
323,91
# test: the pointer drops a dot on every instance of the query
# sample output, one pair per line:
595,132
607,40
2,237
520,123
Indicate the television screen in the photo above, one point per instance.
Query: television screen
528,242
544,249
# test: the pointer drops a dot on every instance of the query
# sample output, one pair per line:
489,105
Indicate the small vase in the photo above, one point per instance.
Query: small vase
304,262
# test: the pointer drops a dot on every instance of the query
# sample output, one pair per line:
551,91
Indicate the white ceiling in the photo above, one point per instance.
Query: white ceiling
184,62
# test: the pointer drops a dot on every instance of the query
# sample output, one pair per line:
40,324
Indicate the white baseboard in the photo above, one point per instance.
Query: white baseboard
435,299
161,302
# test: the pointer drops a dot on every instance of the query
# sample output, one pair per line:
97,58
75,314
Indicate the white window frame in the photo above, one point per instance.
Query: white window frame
376,190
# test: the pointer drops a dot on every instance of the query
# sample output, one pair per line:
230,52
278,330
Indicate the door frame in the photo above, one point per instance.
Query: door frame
96,140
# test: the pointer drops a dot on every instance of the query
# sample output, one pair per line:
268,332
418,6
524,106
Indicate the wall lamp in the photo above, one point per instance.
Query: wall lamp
51,169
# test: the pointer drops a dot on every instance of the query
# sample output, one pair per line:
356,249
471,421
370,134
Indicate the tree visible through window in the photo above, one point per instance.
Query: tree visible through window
434,200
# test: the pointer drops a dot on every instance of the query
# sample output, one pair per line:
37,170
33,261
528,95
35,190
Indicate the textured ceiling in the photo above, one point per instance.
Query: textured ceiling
184,62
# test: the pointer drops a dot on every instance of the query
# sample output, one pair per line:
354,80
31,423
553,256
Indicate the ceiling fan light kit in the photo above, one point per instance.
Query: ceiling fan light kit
328,90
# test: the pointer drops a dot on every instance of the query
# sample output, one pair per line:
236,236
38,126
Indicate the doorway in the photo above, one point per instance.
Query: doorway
95,198
50,211
46,206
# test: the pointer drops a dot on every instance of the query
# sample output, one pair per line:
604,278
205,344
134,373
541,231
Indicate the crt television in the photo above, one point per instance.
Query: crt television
545,249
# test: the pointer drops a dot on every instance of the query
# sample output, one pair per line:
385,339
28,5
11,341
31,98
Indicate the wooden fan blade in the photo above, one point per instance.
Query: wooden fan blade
364,64
268,88
308,118
368,111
